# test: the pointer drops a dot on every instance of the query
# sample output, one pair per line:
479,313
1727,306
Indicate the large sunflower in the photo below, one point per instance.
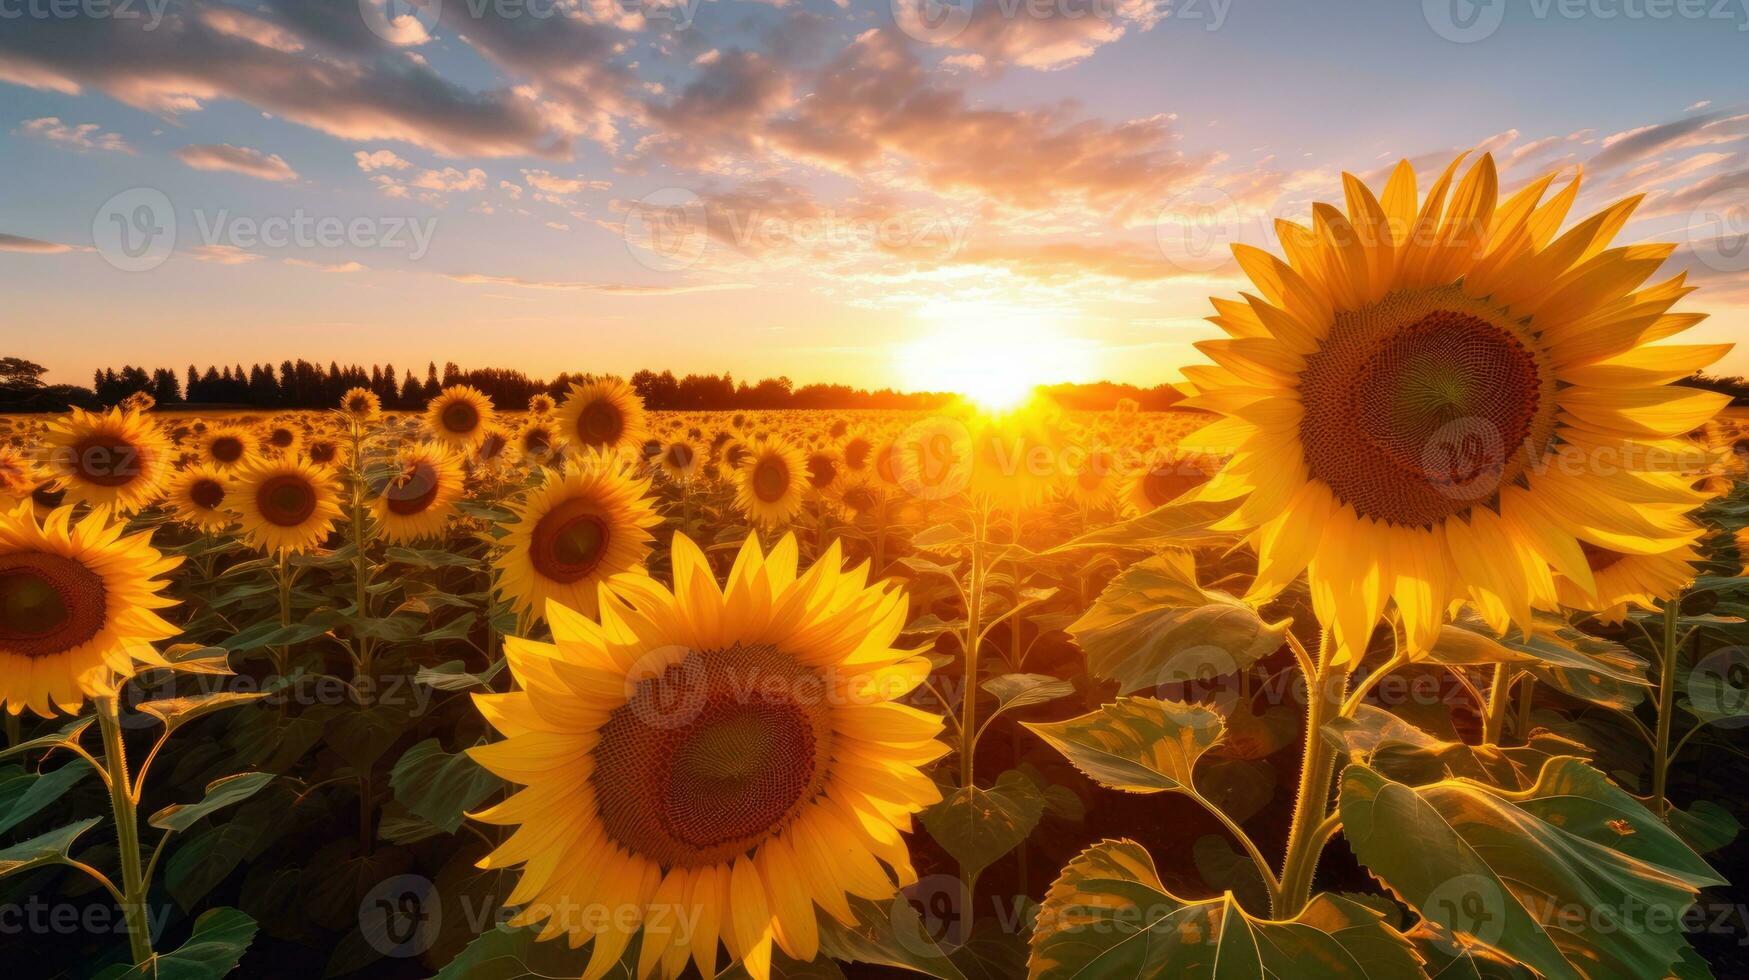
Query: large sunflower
1442,402
117,460
200,495
606,416
582,525
420,494
1626,581
75,600
724,758
459,416
286,505
770,482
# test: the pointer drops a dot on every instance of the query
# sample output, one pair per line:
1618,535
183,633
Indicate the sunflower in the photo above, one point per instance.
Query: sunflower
227,446
1624,580
198,497
117,460
770,482
1012,460
825,469
326,451
680,461
420,494
584,524
286,505
1441,402
361,405
605,416
460,415
541,405
538,443
17,475
857,452
74,600
1162,478
493,450
737,752
282,438
1093,478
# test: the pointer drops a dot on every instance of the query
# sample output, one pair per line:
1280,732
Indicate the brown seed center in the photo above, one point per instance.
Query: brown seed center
286,500
599,424
207,494
770,479
570,542
227,449
49,604
413,490
106,461
460,417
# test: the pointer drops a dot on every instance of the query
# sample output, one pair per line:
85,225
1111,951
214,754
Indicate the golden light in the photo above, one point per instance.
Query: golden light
992,354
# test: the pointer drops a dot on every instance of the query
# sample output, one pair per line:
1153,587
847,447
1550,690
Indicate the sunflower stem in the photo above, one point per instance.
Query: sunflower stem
127,831
1499,698
1666,708
1325,693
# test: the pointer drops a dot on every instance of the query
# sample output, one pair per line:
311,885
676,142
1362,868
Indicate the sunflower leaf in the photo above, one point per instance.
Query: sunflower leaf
50,848
177,712
439,786
69,734
25,794
976,825
220,793
1109,915
221,937
886,934
1138,745
1155,625
1517,873
508,953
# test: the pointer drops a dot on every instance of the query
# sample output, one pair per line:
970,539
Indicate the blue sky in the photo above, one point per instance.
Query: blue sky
837,191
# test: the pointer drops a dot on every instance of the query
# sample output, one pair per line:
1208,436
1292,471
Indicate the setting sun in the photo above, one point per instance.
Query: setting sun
994,355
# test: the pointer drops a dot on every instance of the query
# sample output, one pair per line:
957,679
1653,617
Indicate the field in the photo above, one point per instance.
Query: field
586,690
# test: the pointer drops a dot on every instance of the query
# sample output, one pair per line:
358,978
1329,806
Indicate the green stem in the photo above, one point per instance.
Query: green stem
127,831
974,606
282,660
1325,691
1499,697
1661,753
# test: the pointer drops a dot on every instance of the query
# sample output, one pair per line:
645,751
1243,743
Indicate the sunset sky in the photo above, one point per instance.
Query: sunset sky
839,192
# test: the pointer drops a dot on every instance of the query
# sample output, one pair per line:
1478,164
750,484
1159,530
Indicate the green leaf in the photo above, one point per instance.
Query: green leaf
429,559
513,954
1024,690
1517,873
25,794
204,859
50,848
1186,525
1108,915
1705,825
1571,660
221,937
176,712
1153,624
976,826
1139,745
886,934
193,658
1224,869
1408,754
452,675
220,793
439,786
69,733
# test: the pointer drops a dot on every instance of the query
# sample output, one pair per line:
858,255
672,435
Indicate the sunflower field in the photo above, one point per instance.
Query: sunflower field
1410,647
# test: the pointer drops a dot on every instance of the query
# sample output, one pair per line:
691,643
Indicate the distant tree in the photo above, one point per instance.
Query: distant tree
412,395
18,374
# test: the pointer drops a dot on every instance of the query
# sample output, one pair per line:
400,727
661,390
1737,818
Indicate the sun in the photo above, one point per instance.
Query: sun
993,354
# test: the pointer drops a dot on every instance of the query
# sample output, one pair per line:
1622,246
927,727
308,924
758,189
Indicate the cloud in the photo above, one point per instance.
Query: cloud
84,137
18,243
337,267
1043,36
223,254
379,160
369,93
1707,129
1071,260
237,160
612,289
